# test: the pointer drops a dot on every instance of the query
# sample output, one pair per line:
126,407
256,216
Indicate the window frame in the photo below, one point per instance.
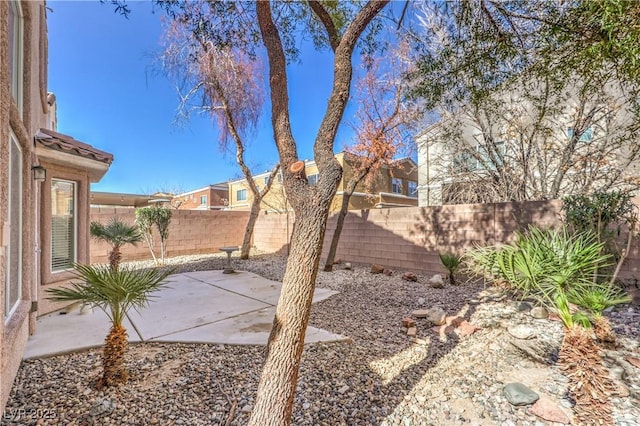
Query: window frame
75,226
586,136
241,194
396,182
203,200
16,53
412,192
10,307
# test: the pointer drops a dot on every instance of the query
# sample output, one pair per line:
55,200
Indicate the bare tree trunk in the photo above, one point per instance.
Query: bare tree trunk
344,208
274,401
248,233
279,378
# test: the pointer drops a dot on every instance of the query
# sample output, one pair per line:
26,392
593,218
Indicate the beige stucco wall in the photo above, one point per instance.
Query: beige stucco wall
58,279
14,330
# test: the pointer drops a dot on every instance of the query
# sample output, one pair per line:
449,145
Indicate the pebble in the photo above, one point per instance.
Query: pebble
391,379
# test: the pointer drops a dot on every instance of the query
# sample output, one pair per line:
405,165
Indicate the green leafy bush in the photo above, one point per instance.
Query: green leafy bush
148,218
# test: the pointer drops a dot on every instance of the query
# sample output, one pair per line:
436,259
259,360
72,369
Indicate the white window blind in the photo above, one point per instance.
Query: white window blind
63,224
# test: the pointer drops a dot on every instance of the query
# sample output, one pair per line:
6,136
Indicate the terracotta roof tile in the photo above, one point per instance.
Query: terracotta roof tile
66,143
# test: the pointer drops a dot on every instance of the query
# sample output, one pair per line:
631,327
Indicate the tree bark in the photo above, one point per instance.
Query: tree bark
278,381
344,208
115,348
248,233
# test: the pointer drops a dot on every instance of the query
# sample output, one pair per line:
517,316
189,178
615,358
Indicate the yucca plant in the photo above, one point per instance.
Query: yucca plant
451,262
114,291
116,233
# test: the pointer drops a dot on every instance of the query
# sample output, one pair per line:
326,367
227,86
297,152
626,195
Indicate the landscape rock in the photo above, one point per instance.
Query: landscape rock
421,301
388,272
443,329
539,312
412,332
524,306
410,276
436,281
347,266
518,394
436,316
546,409
454,320
376,269
466,329
420,313
408,322
521,331
538,350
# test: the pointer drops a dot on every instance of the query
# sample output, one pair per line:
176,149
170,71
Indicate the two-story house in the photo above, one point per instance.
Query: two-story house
531,142
393,186
44,185
211,197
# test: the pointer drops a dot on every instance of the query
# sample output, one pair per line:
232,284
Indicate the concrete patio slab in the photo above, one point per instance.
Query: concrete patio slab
57,333
252,328
203,307
189,303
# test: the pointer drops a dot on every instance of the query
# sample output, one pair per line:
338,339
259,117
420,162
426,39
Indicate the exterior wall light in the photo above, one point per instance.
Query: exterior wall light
39,173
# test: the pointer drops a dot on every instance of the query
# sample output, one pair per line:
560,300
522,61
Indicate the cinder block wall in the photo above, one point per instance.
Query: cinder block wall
410,238
407,238
190,232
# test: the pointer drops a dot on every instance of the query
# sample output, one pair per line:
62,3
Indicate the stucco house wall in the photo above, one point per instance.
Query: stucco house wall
27,111
21,118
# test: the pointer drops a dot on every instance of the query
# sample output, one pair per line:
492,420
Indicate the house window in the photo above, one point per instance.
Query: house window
241,194
266,181
63,224
586,136
396,185
312,179
203,200
412,188
279,177
15,51
13,283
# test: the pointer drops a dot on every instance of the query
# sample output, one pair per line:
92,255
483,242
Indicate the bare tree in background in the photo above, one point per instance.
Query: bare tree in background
381,124
226,83
535,141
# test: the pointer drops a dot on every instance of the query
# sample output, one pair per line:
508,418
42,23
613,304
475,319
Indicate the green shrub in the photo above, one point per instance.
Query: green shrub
555,266
451,262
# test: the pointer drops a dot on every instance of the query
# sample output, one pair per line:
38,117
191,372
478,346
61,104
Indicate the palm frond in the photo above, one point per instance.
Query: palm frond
113,291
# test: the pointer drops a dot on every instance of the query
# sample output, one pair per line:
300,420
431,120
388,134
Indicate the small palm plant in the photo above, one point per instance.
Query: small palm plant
451,262
116,233
115,291
559,268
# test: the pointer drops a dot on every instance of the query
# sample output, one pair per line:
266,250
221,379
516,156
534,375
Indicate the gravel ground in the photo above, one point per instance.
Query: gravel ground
382,377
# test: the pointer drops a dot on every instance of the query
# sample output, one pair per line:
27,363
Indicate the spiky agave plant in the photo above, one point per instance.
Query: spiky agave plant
114,291
451,262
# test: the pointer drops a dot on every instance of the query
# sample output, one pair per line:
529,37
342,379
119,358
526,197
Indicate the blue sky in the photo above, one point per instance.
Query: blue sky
101,70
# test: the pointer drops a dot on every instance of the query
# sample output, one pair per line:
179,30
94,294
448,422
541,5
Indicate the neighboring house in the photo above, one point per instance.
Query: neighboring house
522,145
394,186
211,197
44,185
115,199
